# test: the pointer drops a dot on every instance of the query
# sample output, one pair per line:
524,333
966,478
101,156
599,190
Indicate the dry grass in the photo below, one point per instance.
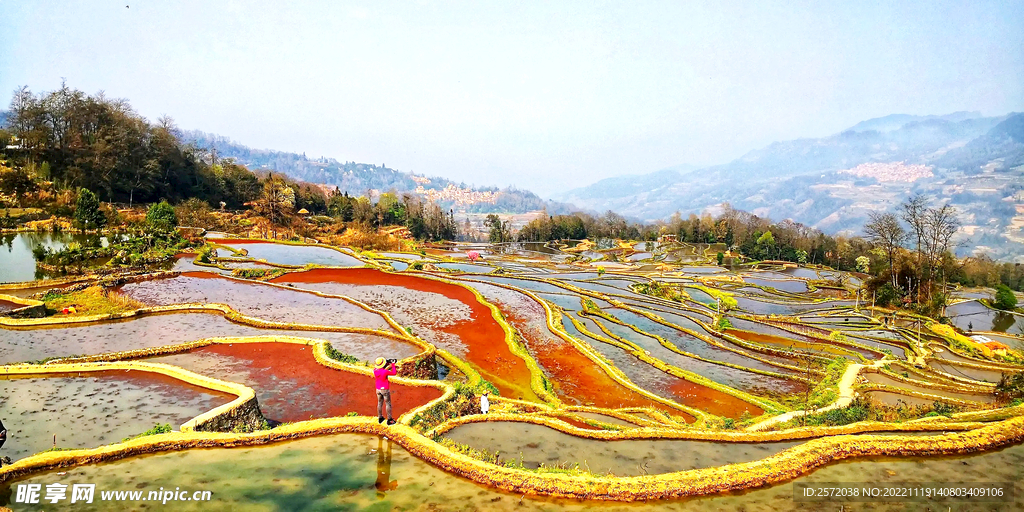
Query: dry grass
355,237
93,300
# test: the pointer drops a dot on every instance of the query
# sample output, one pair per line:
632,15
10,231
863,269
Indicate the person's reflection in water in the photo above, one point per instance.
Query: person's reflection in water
3,439
384,482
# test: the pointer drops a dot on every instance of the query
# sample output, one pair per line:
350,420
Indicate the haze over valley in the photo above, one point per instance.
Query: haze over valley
832,183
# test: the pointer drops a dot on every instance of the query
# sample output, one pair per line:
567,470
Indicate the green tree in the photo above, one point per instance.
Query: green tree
499,231
87,210
887,295
766,244
161,218
863,264
339,206
721,258
1005,299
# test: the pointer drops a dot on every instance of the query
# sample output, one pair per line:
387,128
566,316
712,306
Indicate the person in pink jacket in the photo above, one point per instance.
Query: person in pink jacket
385,368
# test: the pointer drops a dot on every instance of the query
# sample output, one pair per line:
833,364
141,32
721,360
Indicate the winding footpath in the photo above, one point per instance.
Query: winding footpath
846,395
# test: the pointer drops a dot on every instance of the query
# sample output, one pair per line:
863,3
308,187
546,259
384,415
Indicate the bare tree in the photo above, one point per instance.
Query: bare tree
886,232
277,201
941,225
914,212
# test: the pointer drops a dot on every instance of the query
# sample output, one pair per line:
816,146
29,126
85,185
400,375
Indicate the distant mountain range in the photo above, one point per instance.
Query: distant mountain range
831,183
359,178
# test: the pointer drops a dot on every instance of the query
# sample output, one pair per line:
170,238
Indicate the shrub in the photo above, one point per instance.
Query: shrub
827,389
16,181
944,409
724,323
467,450
87,210
259,274
195,213
157,429
1011,386
339,356
657,289
161,218
856,411
207,253
886,295
241,429
859,410
1004,299
462,402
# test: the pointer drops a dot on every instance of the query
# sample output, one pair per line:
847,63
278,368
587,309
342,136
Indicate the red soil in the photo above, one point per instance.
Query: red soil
487,351
6,305
821,346
202,275
711,400
293,386
577,423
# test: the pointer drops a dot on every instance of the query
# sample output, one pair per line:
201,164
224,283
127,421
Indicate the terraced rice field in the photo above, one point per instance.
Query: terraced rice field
663,364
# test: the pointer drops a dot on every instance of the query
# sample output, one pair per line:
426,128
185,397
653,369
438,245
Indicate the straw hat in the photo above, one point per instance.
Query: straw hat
379,362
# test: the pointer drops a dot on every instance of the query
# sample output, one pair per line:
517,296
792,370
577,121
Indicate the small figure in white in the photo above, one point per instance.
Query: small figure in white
484,403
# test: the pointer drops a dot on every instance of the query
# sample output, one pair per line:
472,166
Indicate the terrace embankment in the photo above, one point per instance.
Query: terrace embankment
684,390
291,254
87,410
157,330
483,338
367,471
536,445
291,385
655,379
259,300
577,379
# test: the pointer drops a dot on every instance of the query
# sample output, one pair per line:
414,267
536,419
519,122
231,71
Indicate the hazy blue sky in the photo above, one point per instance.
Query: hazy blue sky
543,95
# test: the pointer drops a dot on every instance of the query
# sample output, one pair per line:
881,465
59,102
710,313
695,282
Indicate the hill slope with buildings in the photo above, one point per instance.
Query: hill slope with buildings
832,183
362,178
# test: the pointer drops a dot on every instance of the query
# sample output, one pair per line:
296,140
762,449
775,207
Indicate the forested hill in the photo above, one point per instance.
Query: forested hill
351,177
357,178
74,139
